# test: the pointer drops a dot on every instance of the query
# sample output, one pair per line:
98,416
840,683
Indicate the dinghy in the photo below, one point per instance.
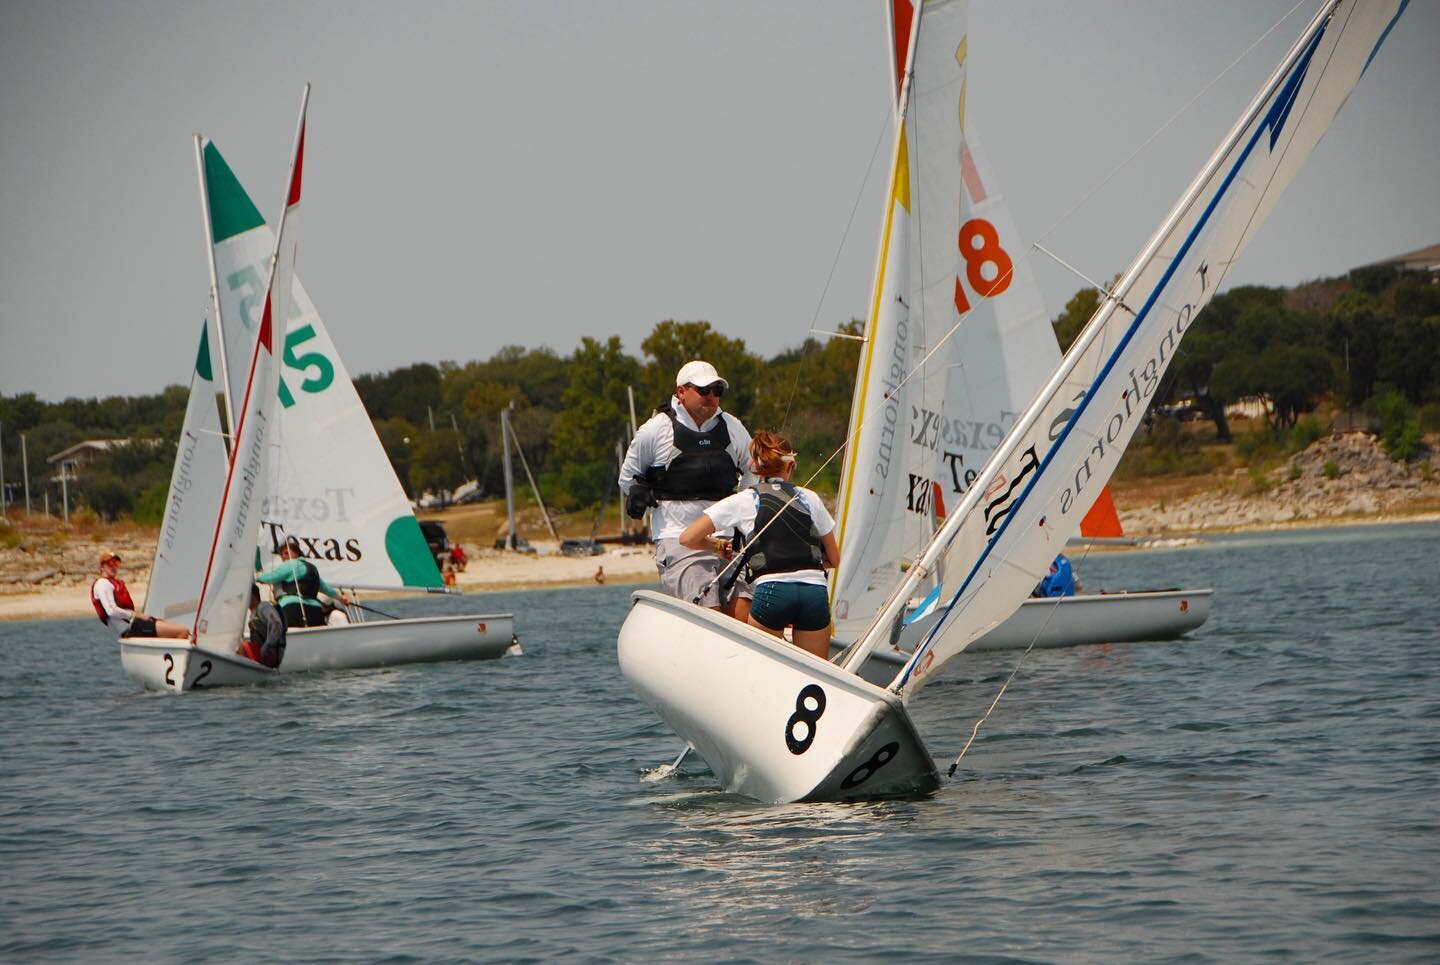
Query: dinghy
978,345
756,728
332,485
213,590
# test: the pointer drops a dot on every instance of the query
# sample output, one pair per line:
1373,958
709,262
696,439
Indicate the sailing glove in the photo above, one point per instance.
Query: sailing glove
639,499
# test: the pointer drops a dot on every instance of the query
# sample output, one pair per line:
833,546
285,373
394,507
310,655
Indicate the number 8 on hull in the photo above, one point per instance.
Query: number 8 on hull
791,727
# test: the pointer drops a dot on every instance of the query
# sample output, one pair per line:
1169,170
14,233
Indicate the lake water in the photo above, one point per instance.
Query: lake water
1266,788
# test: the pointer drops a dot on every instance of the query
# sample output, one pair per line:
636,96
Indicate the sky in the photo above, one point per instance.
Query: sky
482,174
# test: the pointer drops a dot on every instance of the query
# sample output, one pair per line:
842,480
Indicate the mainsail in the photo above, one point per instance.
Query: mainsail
225,593
1029,499
193,500
961,335
332,486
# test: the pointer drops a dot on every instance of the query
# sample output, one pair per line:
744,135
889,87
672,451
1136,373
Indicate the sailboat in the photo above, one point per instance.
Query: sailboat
332,485
779,725
213,590
979,345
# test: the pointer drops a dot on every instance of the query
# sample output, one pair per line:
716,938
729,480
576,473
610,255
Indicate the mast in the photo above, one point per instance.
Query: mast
509,479
1093,330
545,513
214,287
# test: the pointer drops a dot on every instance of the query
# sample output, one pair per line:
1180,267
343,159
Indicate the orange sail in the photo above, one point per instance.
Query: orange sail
1102,521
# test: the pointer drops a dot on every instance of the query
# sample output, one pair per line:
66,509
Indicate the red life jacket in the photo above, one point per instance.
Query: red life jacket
122,599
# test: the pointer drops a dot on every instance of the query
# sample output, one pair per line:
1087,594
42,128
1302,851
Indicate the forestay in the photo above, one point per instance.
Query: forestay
225,594
193,501
1029,499
332,485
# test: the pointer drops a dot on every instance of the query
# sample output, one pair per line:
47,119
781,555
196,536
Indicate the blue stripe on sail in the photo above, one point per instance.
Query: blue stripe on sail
1383,34
1105,371
925,607
1280,111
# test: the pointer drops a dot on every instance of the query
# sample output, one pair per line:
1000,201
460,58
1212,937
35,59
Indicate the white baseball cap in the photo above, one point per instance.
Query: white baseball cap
699,374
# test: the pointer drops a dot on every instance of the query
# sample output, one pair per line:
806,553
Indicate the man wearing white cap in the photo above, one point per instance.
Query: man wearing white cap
686,457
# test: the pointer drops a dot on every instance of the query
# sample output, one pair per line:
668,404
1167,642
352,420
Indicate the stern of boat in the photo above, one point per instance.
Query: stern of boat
176,666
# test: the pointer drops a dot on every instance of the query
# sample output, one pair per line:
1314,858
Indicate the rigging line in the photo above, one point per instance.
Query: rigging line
974,731
1082,276
835,262
1165,126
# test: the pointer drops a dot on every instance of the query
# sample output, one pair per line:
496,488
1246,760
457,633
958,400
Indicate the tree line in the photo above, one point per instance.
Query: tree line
1368,341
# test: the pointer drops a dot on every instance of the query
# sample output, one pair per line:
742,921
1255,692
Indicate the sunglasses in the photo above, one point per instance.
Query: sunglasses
717,390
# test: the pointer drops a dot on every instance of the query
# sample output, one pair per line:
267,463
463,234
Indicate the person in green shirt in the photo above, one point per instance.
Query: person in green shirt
299,584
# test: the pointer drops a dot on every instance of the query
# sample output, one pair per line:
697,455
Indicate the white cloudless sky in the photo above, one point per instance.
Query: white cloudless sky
489,174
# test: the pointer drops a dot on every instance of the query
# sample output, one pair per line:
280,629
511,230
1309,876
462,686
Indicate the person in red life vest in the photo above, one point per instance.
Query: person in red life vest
265,643
117,611
458,559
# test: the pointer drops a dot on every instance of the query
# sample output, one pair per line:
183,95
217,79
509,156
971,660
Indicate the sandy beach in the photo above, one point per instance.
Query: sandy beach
64,592
1343,480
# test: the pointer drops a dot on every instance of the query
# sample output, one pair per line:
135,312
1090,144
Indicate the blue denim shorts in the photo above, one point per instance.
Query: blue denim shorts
804,606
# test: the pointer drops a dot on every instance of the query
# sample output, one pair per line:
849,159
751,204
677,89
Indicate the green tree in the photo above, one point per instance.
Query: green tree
671,344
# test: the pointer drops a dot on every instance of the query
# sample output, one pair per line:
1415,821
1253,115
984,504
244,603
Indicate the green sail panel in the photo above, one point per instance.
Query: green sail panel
231,210
202,361
410,554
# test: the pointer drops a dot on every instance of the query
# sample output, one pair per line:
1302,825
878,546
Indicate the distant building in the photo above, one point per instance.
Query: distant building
68,462
1422,259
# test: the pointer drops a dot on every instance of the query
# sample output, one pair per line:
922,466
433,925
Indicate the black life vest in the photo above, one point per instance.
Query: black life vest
702,469
791,542
307,587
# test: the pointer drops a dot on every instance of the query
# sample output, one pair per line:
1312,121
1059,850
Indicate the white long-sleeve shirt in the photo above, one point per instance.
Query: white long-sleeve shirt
117,617
654,445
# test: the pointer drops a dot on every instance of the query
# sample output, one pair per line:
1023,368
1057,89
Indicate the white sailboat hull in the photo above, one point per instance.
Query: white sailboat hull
1087,618
177,666
377,643
773,722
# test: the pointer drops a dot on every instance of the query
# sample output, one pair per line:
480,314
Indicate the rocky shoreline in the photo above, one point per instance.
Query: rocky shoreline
1343,478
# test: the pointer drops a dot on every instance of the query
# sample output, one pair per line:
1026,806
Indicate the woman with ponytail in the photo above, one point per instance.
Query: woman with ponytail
790,542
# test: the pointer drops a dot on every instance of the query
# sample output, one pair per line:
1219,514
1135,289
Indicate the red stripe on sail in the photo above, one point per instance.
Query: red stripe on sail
903,12
971,174
294,197
265,326
1102,521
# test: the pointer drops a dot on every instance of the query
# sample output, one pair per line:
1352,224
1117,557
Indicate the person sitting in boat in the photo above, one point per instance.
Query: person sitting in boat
300,585
265,632
116,609
790,541
688,455
1060,581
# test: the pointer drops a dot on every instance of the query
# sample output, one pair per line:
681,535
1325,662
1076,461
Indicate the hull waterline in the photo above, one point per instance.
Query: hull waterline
384,643
1084,619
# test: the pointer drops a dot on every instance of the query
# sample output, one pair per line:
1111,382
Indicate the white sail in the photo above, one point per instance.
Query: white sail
193,500
1032,494
332,486
225,595
882,519
959,341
